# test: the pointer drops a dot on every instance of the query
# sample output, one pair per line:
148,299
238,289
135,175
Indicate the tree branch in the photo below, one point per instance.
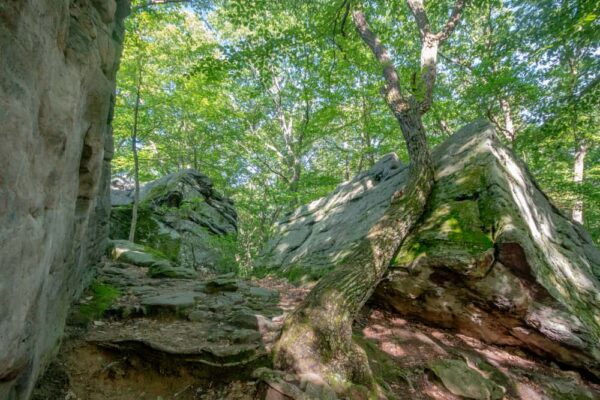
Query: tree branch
391,90
452,22
418,11
151,3
254,156
430,43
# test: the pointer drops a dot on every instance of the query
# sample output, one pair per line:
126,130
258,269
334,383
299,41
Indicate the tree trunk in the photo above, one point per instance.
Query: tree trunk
136,164
367,143
316,339
509,126
295,168
578,169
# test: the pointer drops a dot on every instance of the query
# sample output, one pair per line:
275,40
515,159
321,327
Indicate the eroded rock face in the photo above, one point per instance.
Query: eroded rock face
182,216
321,233
491,258
215,328
57,76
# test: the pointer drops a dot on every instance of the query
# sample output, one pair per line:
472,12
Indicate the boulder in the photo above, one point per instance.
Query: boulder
182,216
57,79
158,265
492,257
321,233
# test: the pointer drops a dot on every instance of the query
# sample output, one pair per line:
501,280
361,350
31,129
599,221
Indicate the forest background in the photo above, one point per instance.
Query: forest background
278,101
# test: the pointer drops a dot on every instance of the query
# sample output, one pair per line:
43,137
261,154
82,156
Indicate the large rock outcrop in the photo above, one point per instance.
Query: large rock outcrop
320,234
57,76
491,257
182,216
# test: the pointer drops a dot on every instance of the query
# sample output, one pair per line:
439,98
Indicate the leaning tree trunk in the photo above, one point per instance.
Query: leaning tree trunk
316,339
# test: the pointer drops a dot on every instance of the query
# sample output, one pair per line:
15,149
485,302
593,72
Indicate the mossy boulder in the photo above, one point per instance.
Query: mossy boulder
131,253
493,258
182,216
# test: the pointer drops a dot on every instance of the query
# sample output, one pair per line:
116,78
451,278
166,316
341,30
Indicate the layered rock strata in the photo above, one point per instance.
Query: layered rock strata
58,61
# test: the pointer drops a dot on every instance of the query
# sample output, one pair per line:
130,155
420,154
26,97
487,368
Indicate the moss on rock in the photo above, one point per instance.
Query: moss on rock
184,218
96,300
453,225
464,381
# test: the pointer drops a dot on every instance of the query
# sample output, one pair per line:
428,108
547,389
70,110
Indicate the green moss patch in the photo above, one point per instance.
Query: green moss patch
449,227
97,299
148,231
464,381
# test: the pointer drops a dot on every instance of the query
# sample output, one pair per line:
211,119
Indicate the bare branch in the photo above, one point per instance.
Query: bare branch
151,3
255,157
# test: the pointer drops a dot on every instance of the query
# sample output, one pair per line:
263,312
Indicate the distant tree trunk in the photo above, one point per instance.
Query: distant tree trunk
444,128
290,154
346,165
366,137
296,171
578,169
509,126
317,337
136,163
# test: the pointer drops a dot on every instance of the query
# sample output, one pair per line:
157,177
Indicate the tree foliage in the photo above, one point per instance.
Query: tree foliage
279,101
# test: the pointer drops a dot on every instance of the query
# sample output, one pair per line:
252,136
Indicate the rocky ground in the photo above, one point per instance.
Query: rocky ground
474,305
202,337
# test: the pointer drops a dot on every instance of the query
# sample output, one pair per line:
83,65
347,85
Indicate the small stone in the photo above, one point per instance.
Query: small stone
200,315
172,303
221,284
245,336
464,381
164,269
262,293
243,319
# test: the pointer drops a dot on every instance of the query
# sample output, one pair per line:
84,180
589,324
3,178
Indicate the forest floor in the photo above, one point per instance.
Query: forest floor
191,339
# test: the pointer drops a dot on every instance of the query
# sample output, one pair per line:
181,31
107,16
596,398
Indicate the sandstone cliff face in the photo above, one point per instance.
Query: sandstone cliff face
58,60
491,257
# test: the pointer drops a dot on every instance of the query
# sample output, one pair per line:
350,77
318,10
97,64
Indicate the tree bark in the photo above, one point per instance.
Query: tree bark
578,169
366,137
316,339
136,164
509,126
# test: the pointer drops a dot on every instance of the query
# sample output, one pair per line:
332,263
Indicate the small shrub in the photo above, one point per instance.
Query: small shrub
227,249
